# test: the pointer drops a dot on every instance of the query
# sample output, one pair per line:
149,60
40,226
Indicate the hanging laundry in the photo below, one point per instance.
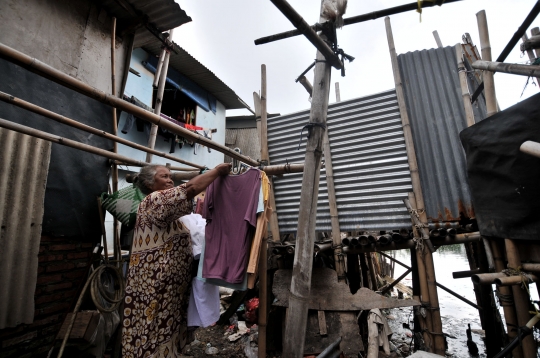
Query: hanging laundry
204,301
131,119
230,208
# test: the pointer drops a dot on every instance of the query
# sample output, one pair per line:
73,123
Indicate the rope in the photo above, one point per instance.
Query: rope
504,300
309,127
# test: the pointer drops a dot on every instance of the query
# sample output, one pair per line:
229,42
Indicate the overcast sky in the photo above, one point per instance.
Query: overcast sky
222,34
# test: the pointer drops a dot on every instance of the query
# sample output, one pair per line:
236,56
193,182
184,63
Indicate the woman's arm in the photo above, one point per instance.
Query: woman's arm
200,182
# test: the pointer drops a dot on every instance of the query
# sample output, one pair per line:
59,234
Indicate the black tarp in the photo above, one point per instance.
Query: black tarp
75,177
505,183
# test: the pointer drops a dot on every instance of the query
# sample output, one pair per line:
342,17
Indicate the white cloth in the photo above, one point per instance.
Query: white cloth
196,225
204,304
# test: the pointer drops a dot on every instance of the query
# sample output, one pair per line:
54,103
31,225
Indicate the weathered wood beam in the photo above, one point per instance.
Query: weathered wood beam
354,20
308,32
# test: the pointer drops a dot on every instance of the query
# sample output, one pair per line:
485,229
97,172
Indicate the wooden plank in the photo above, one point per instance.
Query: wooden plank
322,323
327,294
399,286
83,321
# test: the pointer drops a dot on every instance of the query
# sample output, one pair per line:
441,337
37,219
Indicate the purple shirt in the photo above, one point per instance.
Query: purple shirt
230,208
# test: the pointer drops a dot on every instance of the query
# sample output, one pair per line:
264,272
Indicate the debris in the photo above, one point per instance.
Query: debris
211,350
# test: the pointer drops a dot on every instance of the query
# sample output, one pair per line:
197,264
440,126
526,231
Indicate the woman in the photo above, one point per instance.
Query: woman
159,274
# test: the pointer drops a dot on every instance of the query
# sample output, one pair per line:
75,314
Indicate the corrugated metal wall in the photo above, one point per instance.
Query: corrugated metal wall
435,107
371,172
24,165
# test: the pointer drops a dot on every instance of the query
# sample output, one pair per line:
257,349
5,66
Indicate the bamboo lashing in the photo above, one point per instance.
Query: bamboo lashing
63,79
70,122
531,54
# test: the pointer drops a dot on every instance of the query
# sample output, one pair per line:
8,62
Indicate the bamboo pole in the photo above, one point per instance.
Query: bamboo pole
265,158
489,84
521,299
116,227
296,320
511,68
409,143
69,143
531,55
263,296
139,163
63,79
437,39
458,239
424,291
159,99
506,299
70,122
159,66
338,94
465,94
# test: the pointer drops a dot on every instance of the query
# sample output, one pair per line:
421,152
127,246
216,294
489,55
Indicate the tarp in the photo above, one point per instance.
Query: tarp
75,178
505,183
203,99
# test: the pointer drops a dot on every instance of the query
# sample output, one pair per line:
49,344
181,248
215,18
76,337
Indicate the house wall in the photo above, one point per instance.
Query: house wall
72,36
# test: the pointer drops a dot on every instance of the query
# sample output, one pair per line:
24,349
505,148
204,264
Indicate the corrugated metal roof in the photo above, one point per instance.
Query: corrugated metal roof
162,15
371,172
435,107
24,164
187,65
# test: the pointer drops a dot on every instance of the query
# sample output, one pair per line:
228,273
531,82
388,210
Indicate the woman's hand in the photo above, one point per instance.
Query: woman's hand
223,168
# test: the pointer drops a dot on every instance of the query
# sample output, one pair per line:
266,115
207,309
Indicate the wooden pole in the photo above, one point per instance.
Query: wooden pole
521,299
116,228
531,55
264,125
70,122
159,99
437,39
296,320
354,19
309,33
42,69
489,84
465,95
506,299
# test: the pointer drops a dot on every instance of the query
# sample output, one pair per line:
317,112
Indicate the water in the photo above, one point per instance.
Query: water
455,314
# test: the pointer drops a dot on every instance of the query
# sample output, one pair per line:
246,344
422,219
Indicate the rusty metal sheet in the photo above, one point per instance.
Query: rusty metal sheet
327,294
433,97
24,165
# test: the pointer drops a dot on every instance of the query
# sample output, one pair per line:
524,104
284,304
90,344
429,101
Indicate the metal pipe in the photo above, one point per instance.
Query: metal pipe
63,79
515,280
68,142
465,274
70,122
512,68
302,26
530,147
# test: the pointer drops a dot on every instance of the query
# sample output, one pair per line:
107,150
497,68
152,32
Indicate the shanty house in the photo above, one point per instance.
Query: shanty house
50,223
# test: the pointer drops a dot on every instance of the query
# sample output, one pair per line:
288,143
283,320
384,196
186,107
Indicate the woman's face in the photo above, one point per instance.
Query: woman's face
162,179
